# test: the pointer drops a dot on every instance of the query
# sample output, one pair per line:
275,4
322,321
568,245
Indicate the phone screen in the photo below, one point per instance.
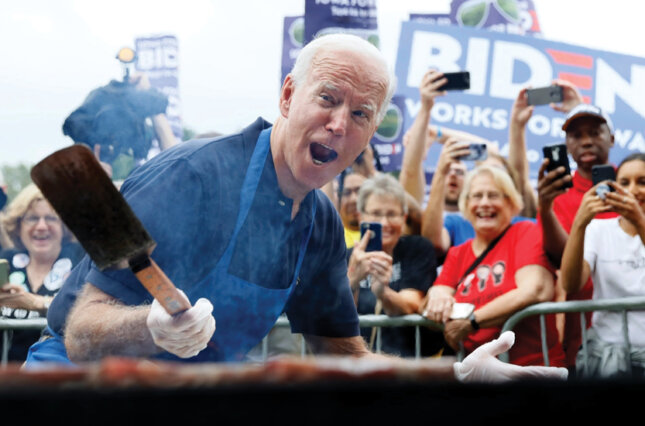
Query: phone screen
478,152
375,242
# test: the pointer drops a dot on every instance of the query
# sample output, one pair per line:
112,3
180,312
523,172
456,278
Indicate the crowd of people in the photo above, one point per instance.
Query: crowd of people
482,238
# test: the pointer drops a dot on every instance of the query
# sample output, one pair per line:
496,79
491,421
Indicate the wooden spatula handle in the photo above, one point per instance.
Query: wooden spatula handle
161,288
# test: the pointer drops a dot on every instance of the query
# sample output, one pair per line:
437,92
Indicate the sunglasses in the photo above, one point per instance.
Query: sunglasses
474,13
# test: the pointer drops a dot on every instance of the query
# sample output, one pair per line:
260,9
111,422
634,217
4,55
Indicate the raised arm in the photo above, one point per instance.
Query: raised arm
520,114
574,270
160,123
554,236
432,223
412,176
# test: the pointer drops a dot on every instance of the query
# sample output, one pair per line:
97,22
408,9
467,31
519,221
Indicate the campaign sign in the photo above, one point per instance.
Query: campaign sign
158,58
507,16
500,65
293,38
357,17
388,139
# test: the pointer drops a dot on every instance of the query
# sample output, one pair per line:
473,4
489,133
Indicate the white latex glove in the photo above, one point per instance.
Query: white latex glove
185,334
482,366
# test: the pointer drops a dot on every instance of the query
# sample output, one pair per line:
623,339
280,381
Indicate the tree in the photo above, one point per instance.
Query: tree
16,178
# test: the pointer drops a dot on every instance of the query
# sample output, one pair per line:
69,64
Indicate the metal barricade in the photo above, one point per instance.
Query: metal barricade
8,324
379,321
623,305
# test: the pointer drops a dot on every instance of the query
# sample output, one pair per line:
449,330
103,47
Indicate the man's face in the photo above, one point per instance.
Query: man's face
348,210
330,117
454,182
589,141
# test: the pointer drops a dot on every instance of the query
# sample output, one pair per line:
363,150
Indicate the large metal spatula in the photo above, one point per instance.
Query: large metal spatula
87,201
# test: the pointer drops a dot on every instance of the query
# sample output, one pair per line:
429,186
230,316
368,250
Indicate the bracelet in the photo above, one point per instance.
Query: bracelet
439,134
473,322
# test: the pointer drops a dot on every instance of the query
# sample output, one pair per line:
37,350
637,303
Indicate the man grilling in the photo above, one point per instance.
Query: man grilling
242,230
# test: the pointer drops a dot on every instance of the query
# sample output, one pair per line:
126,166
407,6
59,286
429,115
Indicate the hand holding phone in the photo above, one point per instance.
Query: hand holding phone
603,173
461,310
557,155
375,241
478,152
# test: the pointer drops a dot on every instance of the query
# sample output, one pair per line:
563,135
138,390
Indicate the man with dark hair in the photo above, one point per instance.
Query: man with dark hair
589,137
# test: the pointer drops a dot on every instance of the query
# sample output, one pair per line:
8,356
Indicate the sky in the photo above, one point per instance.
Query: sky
55,52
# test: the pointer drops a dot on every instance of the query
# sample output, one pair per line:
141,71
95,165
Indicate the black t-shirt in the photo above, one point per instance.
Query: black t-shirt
70,255
414,266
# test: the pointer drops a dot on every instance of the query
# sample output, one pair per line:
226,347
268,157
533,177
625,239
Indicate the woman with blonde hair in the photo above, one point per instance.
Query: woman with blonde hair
502,270
43,255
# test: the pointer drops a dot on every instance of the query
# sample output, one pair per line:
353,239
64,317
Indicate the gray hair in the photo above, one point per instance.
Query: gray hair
381,184
339,41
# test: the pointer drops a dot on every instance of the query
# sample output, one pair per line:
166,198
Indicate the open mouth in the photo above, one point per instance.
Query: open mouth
486,215
322,154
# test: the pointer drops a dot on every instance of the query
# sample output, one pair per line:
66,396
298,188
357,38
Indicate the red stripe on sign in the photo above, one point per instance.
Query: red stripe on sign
536,23
586,99
580,81
573,59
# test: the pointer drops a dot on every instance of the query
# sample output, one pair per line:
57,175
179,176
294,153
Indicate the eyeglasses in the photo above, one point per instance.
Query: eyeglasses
492,196
474,13
457,172
390,216
33,219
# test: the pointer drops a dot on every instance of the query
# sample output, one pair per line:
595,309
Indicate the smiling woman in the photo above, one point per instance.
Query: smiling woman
42,258
611,252
500,271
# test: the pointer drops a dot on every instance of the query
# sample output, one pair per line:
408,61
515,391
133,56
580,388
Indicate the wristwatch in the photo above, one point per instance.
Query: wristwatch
473,322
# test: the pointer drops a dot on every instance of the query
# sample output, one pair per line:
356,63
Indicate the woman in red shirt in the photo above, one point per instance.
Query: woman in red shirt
512,275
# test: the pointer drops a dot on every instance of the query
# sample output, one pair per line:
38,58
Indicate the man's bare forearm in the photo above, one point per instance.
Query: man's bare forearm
99,326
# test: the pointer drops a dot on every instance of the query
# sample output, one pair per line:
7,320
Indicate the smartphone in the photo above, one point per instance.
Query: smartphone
601,173
4,272
557,155
478,152
456,81
544,95
461,310
375,242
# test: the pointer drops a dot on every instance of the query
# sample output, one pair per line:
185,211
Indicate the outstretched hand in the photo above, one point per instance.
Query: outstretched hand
482,366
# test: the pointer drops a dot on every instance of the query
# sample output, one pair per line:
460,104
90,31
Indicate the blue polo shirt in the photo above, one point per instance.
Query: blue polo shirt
188,199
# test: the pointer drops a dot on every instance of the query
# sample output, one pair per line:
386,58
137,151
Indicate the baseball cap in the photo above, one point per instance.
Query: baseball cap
586,110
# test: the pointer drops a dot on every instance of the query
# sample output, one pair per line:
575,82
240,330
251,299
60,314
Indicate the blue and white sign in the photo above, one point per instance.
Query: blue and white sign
158,57
357,17
500,66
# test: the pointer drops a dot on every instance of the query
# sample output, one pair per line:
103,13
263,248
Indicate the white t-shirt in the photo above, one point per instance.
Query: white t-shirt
617,262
